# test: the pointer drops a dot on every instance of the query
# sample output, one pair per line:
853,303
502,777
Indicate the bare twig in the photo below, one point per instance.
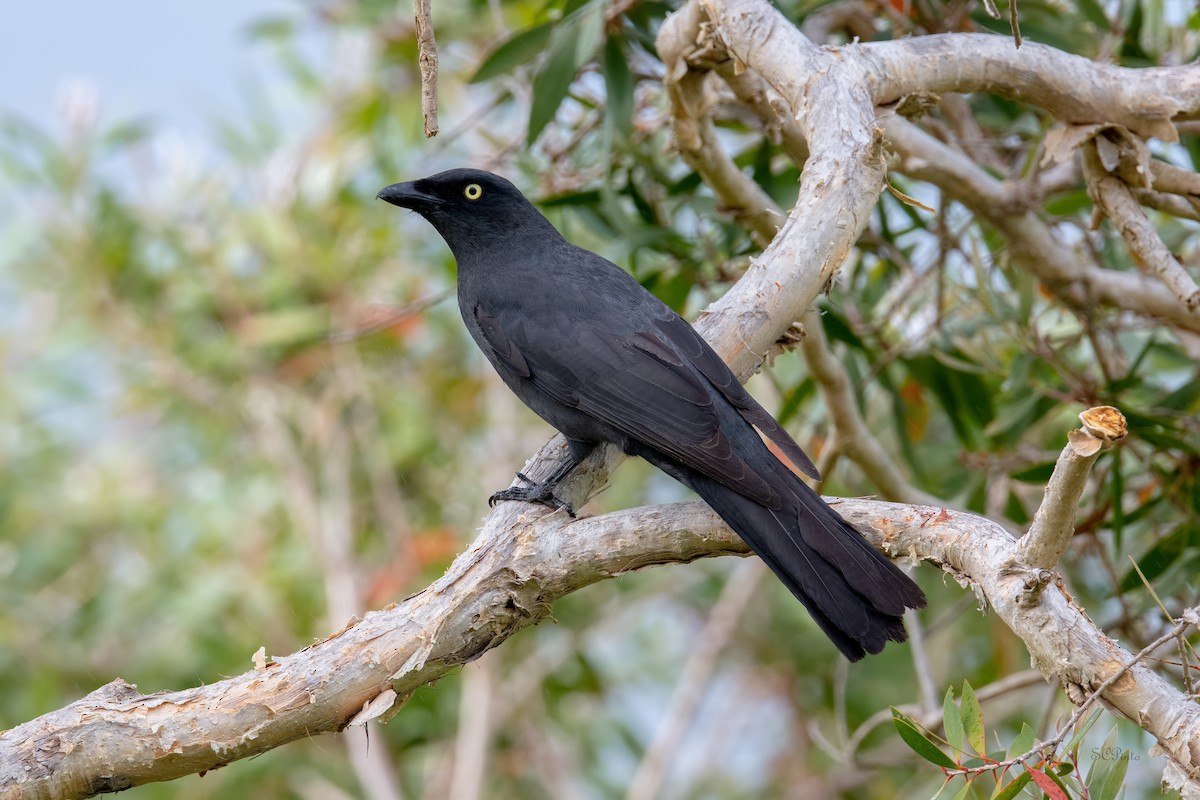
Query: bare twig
1182,207
428,60
1174,180
1054,523
920,656
1013,22
376,317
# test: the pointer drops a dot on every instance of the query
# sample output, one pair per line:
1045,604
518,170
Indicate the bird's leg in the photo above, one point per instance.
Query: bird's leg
544,492
538,492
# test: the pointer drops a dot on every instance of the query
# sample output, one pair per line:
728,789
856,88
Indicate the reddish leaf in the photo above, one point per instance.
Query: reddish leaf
1047,785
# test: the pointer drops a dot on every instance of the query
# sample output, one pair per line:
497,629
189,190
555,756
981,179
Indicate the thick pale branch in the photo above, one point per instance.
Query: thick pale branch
839,185
1032,243
115,738
1073,88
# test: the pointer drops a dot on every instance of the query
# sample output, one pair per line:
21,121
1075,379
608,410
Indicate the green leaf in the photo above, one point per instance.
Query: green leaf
126,133
962,793
914,737
618,83
1038,473
1185,398
1023,741
1081,730
794,399
573,42
972,719
952,721
1095,15
1069,203
1013,788
591,31
553,80
1107,774
520,48
271,28
1117,485
1144,509
839,330
1016,416
1165,552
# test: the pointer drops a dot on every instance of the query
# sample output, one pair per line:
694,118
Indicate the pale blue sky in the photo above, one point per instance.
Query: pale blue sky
176,62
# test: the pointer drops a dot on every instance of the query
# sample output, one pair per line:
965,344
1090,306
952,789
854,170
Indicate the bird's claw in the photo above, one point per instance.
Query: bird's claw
534,493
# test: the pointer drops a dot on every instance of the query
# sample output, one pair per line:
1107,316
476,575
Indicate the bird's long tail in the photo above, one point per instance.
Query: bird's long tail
855,594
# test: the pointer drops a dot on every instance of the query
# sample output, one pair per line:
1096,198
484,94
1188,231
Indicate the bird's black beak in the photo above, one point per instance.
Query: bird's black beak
407,195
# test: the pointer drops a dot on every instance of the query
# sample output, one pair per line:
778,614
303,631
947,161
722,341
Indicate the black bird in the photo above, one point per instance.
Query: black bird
601,359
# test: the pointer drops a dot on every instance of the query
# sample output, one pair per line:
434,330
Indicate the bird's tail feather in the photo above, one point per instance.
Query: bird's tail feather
855,594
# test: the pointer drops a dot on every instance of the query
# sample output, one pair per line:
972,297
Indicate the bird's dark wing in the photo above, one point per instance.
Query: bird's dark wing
637,384
693,347
500,344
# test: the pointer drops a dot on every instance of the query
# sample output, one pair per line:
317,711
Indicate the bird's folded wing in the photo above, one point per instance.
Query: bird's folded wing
637,384
706,360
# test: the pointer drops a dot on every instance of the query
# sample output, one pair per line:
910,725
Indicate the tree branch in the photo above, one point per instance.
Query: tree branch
116,738
428,59
1054,524
997,68
1073,88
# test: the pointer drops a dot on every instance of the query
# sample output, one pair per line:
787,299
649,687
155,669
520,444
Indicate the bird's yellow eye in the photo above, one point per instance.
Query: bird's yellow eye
473,191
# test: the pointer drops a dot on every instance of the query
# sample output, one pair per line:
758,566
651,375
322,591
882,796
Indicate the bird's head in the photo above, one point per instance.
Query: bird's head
470,208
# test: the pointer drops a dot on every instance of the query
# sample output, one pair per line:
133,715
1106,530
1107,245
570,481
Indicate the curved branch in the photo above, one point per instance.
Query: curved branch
115,738
1073,88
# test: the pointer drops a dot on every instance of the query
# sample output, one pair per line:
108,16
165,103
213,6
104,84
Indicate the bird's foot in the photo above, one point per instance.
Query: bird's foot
534,493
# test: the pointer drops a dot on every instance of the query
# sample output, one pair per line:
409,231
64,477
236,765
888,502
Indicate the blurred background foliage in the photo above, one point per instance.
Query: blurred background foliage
237,405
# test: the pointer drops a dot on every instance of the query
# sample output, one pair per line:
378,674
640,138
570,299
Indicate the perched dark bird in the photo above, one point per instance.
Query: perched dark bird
600,358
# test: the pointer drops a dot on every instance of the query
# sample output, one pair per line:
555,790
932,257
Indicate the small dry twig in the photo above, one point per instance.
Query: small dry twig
428,60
